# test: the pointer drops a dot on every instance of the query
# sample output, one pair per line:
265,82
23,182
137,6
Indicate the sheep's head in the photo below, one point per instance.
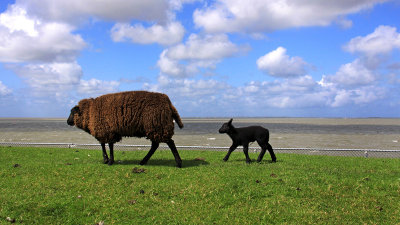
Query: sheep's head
226,127
74,111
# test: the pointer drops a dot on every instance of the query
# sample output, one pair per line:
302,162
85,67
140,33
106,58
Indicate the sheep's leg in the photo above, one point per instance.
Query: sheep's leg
111,161
171,145
231,149
271,152
105,156
246,152
154,146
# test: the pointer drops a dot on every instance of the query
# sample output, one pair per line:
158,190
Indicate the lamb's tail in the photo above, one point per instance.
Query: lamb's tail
176,116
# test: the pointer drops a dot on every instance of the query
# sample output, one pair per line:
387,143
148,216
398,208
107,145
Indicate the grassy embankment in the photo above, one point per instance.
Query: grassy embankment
69,186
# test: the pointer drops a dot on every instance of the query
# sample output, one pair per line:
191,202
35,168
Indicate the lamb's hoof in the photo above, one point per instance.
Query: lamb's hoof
248,161
142,163
179,164
274,160
105,161
110,162
225,159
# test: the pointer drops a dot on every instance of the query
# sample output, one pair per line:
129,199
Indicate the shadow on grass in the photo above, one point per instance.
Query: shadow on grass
268,161
165,162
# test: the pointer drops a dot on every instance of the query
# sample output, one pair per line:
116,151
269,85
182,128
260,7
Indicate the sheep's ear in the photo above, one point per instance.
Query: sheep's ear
230,121
76,110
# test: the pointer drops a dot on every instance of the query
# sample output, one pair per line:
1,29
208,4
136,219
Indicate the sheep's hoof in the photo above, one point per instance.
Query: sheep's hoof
248,161
225,159
142,163
105,161
110,162
179,165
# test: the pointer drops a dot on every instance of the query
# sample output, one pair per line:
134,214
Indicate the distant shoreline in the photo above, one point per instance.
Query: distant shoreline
368,133
255,120
211,118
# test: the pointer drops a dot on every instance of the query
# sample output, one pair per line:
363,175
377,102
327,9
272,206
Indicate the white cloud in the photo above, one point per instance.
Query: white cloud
212,47
76,11
16,19
29,39
95,87
261,15
358,96
192,97
60,81
188,88
350,74
287,93
50,79
197,53
277,63
362,81
169,34
382,41
43,53
4,90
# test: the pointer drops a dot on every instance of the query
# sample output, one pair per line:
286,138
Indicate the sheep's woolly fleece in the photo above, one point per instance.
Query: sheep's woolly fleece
128,114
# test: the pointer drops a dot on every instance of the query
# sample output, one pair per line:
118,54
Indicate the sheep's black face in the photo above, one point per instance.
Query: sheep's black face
226,127
70,120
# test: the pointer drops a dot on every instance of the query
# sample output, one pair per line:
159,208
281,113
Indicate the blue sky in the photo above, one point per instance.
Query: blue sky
224,58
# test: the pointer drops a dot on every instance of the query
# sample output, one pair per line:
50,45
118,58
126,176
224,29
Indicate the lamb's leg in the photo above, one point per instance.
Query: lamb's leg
105,156
111,161
171,145
271,152
246,152
231,149
154,146
262,153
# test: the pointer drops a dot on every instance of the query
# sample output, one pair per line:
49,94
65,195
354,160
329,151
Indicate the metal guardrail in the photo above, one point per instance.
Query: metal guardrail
379,153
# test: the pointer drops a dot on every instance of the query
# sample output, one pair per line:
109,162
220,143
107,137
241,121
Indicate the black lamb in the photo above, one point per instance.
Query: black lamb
243,136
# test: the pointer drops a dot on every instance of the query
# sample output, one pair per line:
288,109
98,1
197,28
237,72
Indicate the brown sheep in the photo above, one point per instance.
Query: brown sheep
110,117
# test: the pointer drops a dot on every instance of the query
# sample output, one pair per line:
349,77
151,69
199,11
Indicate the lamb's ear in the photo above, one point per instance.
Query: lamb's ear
230,121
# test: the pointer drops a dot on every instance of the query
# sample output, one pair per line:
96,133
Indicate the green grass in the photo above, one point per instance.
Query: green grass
69,186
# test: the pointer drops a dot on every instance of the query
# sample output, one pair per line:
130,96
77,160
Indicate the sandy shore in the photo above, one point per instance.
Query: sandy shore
208,135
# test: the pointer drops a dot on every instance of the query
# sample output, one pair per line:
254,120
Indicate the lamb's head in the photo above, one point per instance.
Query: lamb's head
226,127
74,112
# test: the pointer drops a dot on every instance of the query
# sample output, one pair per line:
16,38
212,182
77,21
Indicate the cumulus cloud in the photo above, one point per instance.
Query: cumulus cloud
24,38
49,79
4,90
261,16
198,52
295,92
362,81
61,80
358,96
350,74
77,11
172,33
187,87
381,42
277,63
192,97
43,53
95,87
354,83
